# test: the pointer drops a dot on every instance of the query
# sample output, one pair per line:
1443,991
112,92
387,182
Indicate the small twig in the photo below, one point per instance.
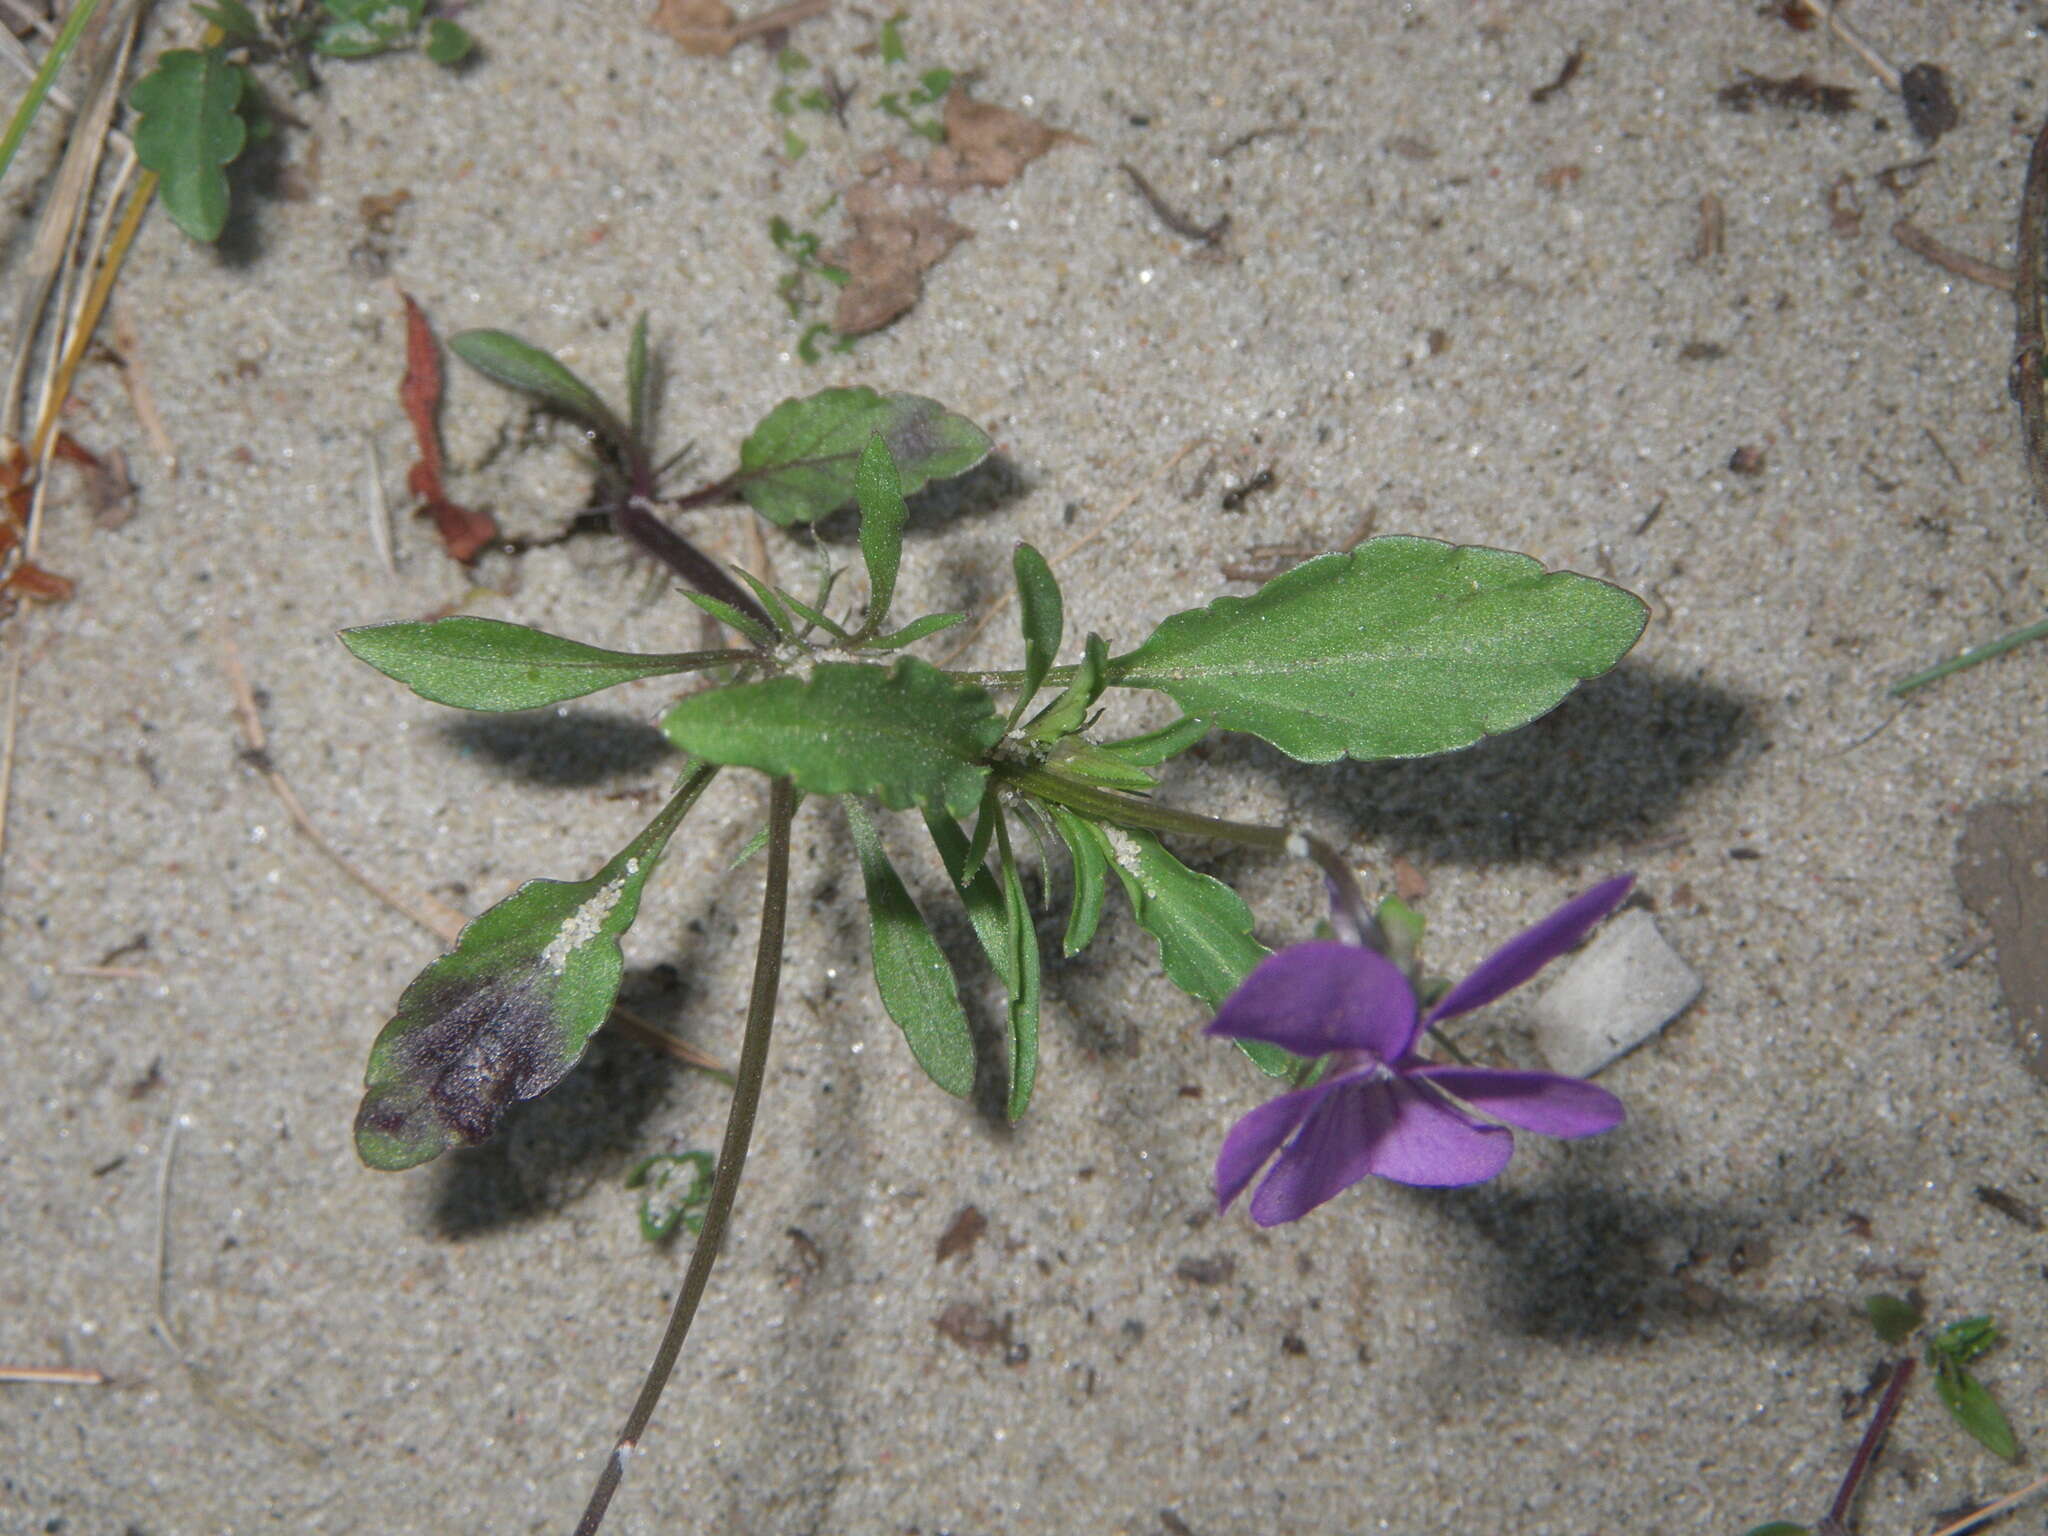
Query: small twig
163,1238
141,398
1244,140
2030,315
1879,66
1942,449
1866,1448
1171,217
54,1375
1977,1517
1947,257
379,508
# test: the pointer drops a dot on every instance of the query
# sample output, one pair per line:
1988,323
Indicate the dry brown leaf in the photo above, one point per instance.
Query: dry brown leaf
707,29
899,210
2002,875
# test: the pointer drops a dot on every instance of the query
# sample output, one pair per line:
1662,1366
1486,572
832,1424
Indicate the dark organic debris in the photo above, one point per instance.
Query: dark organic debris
1180,223
2001,873
2011,1207
1216,1270
971,1327
1566,74
1930,102
1235,498
1746,460
961,1234
1792,93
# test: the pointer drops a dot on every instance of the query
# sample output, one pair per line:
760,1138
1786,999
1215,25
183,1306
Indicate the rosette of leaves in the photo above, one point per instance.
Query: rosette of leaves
1402,647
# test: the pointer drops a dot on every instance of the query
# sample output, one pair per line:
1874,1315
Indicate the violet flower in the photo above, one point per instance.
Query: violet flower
1380,1108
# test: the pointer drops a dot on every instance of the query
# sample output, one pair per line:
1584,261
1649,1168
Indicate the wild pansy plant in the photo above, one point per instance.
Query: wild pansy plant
1403,647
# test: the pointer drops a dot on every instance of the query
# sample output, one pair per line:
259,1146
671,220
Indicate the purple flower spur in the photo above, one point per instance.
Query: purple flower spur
1380,1108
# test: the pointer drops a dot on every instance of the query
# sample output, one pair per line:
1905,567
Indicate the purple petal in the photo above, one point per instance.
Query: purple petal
1532,949
1258,1136
1531,1101
1319,997
1382,1126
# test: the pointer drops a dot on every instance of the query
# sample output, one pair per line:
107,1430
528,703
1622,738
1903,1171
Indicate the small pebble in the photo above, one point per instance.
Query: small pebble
1622,989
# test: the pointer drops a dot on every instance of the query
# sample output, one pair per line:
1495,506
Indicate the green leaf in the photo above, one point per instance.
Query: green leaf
1091,867
639,383
732,618
1402,648
522,366
915,630
1088,762
1778,1528
911,971
485,664
879,490
361,28
1155,747
1024,990
1203,927
910,735
979,895
235,20
666,1201
1893,1317
1068,712
1965,1339
800,462
505,1014
448,44
1042,615
771,601
190,128
892,48
1971,1406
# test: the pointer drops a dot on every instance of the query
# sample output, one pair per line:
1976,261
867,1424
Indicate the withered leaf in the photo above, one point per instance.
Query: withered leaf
707,29
464,532
972,1328
2002,875
899,209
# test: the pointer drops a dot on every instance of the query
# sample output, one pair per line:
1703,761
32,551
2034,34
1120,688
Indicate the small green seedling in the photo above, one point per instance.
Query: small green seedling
199,106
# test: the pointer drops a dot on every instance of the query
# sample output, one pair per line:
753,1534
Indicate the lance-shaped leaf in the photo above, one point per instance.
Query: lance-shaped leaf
639,382
879,490
1024,989
911,971
490,665
800,462
522,366
1402,648
1068,712
908,735
979,893
1203,927
505,1014
1155,747
1091,870
1041,614
191,126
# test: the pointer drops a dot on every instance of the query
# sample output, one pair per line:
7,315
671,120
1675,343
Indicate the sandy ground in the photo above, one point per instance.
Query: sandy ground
1440,304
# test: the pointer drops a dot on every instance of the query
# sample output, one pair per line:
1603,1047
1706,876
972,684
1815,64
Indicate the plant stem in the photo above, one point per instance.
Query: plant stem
732,1153
1350,915
635,519
1971,657
1866,1448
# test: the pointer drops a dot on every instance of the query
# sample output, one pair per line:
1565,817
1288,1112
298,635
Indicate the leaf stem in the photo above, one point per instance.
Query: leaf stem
1351,916
635,519
732,1153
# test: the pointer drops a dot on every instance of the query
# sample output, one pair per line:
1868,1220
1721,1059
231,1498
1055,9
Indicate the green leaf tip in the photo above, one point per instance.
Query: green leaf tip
879,491
504,1015
486,664
909,735
191,127
1405,647
522,366
801,462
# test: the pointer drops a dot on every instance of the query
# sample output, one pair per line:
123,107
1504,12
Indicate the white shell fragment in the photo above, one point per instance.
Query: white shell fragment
1620,990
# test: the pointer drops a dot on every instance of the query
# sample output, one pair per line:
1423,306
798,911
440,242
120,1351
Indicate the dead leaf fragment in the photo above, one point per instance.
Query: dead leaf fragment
465,533
2002,875
898,211
707,29
961,1234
